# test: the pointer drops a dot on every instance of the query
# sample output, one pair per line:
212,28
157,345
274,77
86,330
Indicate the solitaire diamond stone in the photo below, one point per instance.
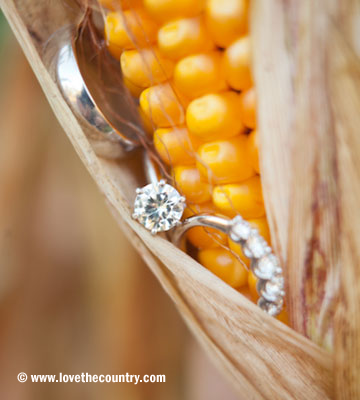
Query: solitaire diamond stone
158,207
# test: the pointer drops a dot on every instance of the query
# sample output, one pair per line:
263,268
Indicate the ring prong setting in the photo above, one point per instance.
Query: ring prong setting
158,206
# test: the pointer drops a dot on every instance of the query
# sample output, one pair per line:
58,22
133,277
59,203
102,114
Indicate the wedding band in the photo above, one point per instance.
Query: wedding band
78,95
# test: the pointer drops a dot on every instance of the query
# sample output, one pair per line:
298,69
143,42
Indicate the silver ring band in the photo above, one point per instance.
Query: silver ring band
78,95
205,220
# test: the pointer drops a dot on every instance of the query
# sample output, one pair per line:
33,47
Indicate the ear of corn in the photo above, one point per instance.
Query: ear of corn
189,64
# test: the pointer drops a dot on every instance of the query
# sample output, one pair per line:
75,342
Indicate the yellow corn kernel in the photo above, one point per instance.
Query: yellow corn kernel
283,317
245,291
145,67
166,10
214,116
262,226
146,123
204,238
126,4
187,180
252,281
225,161
176,146
237,64
224,265
252,150
117,5
226,20
163,106
247,108
199,74
112,5
183,37
128,30
244,198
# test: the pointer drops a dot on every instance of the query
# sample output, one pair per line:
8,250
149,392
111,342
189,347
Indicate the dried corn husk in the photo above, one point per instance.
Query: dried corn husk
304,56
306,62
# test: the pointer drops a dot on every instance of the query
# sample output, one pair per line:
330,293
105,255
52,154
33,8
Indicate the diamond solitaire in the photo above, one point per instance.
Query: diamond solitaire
158,207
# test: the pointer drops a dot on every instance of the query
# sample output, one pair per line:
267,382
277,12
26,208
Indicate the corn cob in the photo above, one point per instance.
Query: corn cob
189,64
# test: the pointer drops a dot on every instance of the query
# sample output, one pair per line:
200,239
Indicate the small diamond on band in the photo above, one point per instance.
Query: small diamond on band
240,229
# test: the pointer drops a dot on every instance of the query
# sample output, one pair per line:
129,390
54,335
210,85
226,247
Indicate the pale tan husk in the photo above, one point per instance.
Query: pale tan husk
263,358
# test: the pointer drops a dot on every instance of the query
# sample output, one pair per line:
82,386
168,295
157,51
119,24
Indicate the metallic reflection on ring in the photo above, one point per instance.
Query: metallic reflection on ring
80,99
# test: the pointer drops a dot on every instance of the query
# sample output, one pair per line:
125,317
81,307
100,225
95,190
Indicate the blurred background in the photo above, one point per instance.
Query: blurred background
74,295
